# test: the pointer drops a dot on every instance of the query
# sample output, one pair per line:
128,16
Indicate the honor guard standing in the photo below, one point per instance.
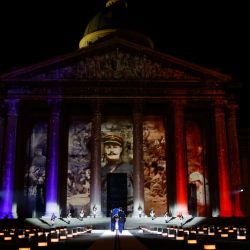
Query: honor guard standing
114,219
122,219
81,215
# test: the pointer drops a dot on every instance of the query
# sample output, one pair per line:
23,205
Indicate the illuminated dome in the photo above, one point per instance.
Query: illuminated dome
114,20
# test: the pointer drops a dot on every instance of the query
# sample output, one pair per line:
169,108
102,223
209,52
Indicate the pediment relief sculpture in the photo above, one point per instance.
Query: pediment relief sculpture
115,65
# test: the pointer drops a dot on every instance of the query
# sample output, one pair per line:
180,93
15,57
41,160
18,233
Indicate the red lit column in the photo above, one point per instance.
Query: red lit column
95,183
138,173
222,161
53,158
7,188
180,159
234,158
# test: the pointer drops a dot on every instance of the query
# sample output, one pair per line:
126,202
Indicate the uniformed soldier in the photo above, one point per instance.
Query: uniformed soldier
114,219
122,219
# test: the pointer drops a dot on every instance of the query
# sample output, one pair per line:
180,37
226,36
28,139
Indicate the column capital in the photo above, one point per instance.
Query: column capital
137,106
96,106
178,104
232,107
12,106
219,106
1,107
220,103
55,105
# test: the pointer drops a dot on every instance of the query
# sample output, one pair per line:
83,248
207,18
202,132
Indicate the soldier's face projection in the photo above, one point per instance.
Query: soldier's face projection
112,152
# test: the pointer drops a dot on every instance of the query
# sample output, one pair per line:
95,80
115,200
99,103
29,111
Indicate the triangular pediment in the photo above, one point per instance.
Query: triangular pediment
113,61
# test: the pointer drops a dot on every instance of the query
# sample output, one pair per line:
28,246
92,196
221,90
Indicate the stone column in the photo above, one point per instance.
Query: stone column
9,160
234,159
222,161
1,136
95,183
53,156
138,171
180,158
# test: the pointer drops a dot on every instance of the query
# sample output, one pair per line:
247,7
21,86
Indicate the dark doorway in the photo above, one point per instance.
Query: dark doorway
40,199
192,199
116,191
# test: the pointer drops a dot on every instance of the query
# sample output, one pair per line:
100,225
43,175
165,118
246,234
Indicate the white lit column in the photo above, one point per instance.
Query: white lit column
138,173
95,183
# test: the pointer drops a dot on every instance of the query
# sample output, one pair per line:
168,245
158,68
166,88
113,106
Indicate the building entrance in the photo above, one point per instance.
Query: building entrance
116,191
192,199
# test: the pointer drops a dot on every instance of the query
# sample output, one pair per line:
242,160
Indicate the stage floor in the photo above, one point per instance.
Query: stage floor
131,222
104,222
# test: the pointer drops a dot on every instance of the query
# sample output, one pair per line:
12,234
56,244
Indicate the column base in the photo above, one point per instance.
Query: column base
52,208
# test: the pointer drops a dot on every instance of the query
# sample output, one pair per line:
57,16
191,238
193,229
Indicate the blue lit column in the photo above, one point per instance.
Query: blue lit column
7,190
53,154
1,136
95,184
138,173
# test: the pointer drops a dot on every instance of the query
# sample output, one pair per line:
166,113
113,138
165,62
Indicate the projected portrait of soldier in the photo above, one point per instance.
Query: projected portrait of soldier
113,148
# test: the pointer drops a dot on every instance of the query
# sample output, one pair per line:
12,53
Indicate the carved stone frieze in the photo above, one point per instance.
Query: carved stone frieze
116,65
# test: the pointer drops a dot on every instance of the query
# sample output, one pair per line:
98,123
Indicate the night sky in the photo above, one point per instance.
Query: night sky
209,33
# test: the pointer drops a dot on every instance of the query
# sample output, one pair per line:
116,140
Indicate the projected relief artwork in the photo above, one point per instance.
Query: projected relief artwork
154,155
35,172
117,156
79,156
197,172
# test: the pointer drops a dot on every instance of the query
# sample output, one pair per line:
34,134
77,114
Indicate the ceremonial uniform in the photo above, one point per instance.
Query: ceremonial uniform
118,219
122,220
114,218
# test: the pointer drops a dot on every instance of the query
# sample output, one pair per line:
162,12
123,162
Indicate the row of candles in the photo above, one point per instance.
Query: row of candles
27,239
192,234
